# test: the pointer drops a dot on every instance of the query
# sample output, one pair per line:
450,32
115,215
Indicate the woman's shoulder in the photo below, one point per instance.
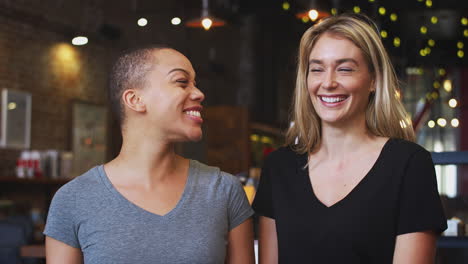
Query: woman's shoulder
81,188
402,146
82,183
211,174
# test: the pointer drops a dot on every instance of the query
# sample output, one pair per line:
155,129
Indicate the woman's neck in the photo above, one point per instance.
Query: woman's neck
148,161
341,141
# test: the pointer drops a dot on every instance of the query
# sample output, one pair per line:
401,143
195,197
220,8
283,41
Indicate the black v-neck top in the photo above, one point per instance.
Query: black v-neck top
397,196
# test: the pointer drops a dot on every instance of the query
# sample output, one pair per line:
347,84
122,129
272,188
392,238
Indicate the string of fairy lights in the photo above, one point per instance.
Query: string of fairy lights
313,15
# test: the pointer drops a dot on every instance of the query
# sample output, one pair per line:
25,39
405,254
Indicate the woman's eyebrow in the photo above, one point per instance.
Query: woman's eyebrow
178,69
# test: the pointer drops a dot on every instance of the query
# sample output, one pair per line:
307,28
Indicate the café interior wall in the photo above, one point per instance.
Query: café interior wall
45,64
36,56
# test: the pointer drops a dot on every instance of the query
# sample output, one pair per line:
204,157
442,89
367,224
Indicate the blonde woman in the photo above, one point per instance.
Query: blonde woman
355,188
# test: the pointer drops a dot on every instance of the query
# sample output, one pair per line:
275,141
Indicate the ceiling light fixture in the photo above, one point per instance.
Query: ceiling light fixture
142,22
80,40
313,13
205,21
176,21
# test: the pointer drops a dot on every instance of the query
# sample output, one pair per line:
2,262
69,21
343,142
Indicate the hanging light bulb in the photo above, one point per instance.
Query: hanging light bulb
80,40
176,21
431,124
453,103
314,13
206,21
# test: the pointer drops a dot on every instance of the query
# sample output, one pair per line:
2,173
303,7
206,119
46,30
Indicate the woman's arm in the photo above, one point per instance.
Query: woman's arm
415,248
240,248
267,241
58,252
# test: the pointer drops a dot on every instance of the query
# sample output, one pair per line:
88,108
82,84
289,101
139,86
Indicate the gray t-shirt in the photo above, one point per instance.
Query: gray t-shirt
90,214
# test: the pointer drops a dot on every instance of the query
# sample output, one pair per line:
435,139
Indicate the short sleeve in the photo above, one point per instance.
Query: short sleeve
61,223
239,208
420,207
263,202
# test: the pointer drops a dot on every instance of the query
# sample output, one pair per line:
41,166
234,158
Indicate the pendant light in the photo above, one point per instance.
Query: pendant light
313,13
205,21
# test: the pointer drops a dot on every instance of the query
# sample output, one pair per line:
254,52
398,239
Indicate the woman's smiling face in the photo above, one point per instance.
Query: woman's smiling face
172,98
338,80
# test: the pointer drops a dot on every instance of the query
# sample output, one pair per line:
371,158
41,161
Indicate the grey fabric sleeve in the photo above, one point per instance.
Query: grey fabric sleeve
239,208
61,221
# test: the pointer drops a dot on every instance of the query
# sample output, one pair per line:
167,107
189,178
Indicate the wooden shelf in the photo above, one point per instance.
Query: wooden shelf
43,181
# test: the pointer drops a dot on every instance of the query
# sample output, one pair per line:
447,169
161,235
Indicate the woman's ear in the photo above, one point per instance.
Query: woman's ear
132,100
372,86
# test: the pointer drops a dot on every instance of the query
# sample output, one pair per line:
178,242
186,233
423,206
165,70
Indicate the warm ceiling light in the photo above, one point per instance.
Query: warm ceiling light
393,17
313,13
431,124
286,6
465,33
460,45
142,22
206,21
455,122
333,11
176,21
442,71
447,85
436,85
429,3
11,106
357,9
80,41
396,42
434,20
442,122
453,103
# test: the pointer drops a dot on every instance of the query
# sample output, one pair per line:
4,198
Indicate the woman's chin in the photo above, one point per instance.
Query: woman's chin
195,136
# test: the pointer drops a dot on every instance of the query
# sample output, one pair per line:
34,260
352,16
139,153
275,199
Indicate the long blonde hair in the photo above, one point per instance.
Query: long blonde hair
385,114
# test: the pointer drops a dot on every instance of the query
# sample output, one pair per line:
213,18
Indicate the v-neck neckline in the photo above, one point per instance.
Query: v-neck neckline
192,171
303,171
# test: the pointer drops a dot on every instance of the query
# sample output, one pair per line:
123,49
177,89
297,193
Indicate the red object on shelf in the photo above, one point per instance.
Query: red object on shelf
267,150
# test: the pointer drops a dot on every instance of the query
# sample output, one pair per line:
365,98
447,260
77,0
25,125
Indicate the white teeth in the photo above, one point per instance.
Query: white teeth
332,99
193,113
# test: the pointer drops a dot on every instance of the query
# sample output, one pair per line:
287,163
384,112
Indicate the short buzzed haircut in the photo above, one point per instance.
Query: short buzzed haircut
130,71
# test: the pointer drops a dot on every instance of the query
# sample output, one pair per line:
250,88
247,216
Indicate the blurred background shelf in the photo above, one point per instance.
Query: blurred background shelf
41,181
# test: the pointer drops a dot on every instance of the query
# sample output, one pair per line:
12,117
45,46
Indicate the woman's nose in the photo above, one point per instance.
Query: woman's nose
329,81
197,95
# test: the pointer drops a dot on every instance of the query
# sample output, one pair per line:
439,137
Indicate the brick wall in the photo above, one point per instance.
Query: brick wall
37,58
